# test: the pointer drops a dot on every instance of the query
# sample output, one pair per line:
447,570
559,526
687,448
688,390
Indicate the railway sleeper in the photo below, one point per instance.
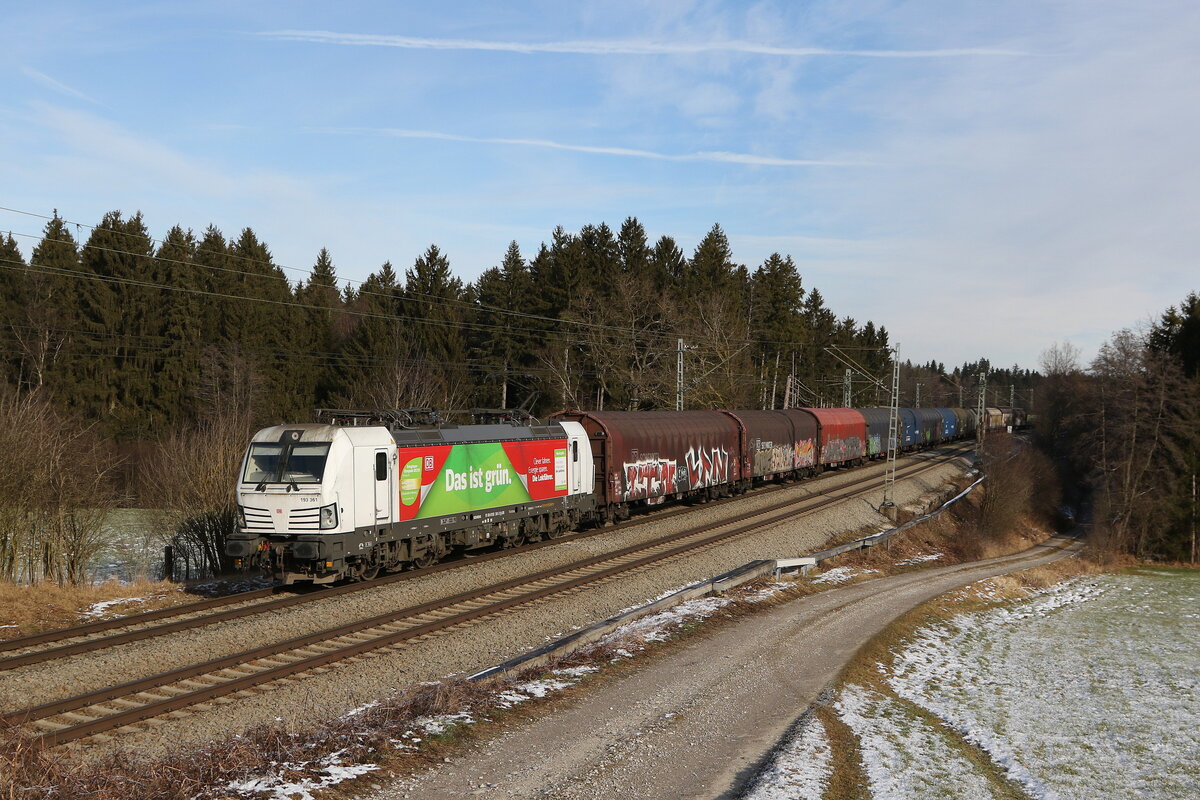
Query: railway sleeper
49,725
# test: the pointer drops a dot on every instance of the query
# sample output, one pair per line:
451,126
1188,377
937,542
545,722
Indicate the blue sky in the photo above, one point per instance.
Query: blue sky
982,178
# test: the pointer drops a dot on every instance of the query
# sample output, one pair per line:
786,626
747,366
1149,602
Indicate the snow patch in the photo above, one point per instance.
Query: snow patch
841,574
919,559
800,770
902,755
658,627
101,608
328,771
766,593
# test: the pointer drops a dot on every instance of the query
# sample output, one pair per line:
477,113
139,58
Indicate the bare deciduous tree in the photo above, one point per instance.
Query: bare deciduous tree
58,488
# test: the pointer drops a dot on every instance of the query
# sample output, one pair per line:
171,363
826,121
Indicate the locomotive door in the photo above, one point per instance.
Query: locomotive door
383,485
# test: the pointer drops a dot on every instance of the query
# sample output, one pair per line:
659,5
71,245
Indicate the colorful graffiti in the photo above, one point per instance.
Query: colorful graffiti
771,458
707,467
838,450
652,477
805,454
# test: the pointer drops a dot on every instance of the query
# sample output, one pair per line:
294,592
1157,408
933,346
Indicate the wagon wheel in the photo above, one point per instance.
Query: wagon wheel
369,573
426,559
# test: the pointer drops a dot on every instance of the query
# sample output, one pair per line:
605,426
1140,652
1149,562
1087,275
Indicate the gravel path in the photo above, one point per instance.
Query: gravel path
698,722
350,684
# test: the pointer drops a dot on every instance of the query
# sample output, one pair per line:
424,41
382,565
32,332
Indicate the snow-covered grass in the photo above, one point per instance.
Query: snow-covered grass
903,756
102,608
1089,688
841,574
299,781
800,770
922,559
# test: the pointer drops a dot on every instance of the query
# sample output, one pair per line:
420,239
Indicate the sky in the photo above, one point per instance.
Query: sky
982,178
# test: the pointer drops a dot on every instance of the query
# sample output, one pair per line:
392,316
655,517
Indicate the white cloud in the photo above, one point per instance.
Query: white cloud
617,47
748,159
58,86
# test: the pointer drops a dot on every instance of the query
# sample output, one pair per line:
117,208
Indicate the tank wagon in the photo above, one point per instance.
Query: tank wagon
326,502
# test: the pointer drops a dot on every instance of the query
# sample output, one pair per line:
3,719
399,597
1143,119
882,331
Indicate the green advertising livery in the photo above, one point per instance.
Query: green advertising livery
451,479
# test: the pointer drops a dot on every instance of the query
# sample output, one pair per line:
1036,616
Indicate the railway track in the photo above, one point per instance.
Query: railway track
118,707
94,636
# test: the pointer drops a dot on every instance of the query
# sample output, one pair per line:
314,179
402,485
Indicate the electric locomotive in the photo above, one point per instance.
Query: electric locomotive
321,502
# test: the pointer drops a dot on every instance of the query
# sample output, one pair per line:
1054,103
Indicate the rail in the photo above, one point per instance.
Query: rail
120,706
716,585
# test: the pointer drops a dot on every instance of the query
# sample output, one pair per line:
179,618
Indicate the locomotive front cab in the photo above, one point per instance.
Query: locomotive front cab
297,505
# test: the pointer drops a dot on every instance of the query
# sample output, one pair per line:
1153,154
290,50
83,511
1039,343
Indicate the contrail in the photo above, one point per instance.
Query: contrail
716,156
615,47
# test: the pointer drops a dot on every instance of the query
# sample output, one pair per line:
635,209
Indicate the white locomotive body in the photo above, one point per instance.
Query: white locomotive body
320,503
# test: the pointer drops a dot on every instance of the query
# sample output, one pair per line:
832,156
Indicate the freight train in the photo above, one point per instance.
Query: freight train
350,497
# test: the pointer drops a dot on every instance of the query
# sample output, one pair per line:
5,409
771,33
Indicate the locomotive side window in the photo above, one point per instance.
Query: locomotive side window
575,450
381,466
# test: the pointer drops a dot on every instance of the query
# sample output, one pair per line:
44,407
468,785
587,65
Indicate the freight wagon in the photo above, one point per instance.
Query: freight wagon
646,457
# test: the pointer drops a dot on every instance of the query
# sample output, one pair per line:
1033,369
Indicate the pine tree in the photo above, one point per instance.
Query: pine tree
711,268
218,329
118,319
12,270
669,262
178,364
269,320
501,342
49,310
635,253
324,324
601,259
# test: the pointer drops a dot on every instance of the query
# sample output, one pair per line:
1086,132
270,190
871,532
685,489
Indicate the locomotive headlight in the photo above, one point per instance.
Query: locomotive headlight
241,517
329,516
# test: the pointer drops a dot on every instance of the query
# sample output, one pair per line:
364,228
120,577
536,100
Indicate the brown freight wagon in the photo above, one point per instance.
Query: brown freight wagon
649,456
775,443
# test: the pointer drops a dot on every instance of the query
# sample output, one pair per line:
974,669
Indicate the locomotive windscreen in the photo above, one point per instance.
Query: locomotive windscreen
277,462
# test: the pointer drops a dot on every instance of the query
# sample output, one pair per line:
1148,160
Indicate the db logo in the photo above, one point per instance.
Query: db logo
428,462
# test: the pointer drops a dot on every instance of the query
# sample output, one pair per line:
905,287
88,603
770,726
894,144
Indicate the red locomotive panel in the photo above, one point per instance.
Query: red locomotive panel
651,455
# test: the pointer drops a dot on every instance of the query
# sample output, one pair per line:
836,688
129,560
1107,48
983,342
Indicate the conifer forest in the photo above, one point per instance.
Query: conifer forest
143,363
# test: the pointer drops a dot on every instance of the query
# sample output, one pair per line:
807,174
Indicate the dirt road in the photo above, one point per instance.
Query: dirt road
697,722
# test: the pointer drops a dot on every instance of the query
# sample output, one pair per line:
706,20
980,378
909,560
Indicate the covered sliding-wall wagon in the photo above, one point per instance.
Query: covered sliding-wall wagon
949,423
771,441
929,425
843,434
878,421
648,456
